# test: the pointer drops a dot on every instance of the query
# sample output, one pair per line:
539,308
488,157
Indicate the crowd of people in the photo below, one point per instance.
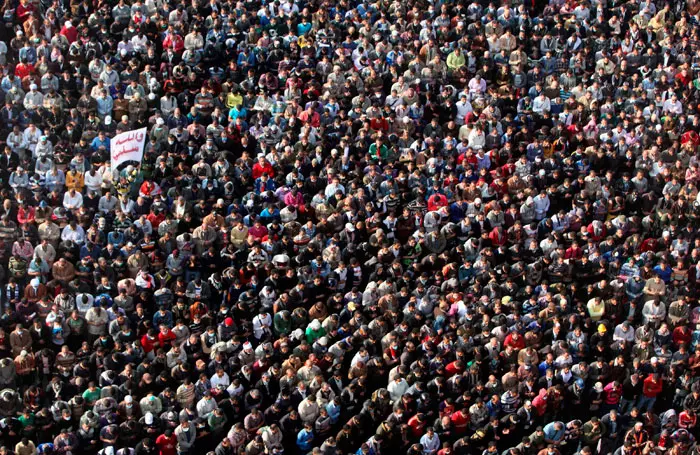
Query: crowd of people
359,227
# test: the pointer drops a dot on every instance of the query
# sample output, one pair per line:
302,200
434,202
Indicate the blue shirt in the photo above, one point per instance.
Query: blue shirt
97,143
665,274
552,433
304,439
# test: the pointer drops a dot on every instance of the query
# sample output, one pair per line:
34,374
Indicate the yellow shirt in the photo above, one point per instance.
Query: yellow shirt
75,180
233,100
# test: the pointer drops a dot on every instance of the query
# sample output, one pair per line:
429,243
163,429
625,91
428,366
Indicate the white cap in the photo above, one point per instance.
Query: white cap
247,345
350,227
160,121
69,24
32,87
148,418
128,399
108,120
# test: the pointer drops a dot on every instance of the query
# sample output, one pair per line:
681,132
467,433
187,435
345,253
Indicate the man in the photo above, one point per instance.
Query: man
636,439
167,442
430,442
653,386
20,340
186,435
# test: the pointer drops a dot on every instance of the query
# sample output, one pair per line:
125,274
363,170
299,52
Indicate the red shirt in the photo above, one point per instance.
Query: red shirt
651,389
451,369
416,426
25,215
379,124
498,240
686,421
24,11
681,337
155,220
175,41
167,446
573,253
23,70
166,338
71,34
685,80
515,344
459,421
259,170
148,344
436,201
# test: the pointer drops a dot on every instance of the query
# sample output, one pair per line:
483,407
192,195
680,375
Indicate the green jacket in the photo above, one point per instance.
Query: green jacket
282,326
383,152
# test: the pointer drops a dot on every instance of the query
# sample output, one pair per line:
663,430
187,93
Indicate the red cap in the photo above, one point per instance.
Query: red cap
228,322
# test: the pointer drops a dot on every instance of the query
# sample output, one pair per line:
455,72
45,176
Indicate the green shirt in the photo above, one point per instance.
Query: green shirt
26,421
383,152
91,397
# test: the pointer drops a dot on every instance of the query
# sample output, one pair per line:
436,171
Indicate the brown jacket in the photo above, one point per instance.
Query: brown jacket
63,273
34,295
24,366
20,342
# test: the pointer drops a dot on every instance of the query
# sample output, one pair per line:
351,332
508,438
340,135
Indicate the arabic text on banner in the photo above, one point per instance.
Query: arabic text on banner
128,146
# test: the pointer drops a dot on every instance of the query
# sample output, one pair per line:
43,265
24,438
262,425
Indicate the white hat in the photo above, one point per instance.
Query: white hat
68,24
32,87
350,227
160,121
149,418
128,399
247,345
108,120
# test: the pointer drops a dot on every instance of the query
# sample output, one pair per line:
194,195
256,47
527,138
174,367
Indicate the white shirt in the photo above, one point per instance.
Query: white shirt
397,389
93,183
260,323
463,109
541,205
72,202
673,108
216,381
77,235
541,105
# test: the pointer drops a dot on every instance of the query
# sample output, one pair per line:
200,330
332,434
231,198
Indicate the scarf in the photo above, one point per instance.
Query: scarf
12,293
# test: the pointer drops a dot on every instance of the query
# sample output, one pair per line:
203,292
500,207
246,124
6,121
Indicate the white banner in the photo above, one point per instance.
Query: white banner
127,147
